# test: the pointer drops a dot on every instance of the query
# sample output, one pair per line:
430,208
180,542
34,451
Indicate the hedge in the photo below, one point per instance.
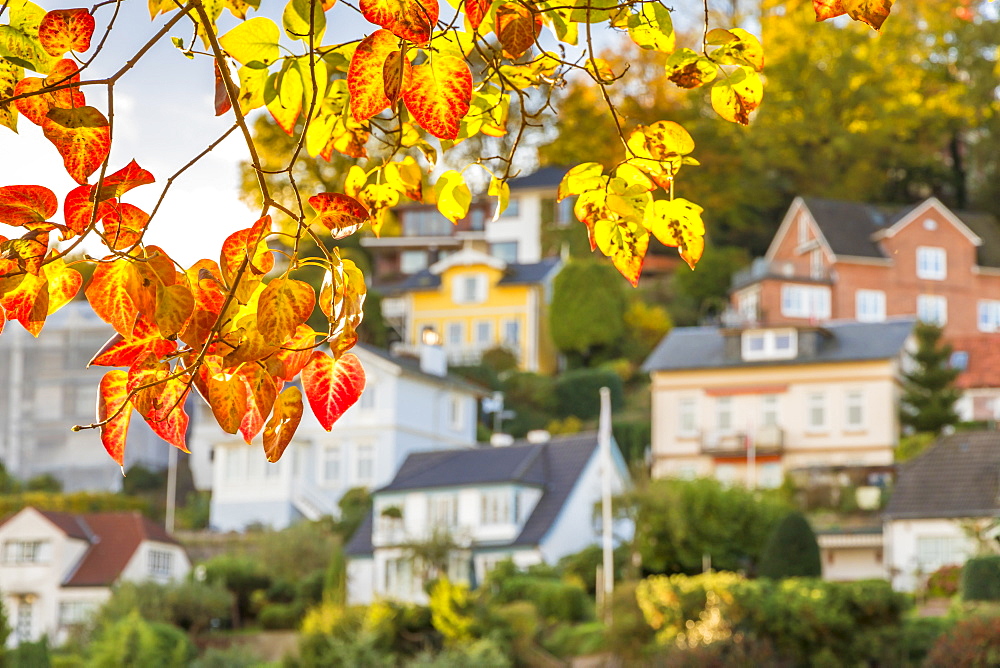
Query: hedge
981,579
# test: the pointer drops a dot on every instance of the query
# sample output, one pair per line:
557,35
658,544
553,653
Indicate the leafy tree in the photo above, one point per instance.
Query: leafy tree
354,506
705,293
791,550
395,103
242,576
929,392
587,313
133,642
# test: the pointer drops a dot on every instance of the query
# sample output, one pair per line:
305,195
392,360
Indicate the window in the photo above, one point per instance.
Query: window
931,263
367,399
72,613
724,414
442,510
816,411
769,344
426,223
959,360
869,305
932,309
85,400
22,630
330,465
769,410
235,463
989,315
770,475
469,289
477,219
365,463
412,261
854,405
495,507
725,474
398,576
816,263
505,250
160,563
687,420
513,209
512,334
933,552
748,304
805,301
48,401
456,414
484,332
26,552
455,334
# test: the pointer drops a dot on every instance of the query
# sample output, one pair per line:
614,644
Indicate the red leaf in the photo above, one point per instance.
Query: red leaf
37,106
341,214
63,30
439,95
284,305
828,9
283,423
410,19
78,209
126,178
124,225
332,387
227,395
121,351
246,242
475,11
364,76
162,404
110,397
289,361
261,391
27,301
518,26
82,136
222,101
29,251
20,205
109,296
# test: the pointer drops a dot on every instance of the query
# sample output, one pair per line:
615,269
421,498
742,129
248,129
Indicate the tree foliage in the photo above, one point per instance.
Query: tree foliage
929,392
587,312
791,550
419,80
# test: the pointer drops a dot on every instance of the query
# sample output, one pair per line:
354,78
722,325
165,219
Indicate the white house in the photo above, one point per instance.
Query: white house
529,502
46,389
408,405
945,505
58,568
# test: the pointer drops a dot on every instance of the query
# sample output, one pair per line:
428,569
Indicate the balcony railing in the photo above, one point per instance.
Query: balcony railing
765,441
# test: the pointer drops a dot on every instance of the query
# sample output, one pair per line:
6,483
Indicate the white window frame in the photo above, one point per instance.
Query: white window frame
932,263
854,404
469,288
411,261
442,510
687,417
331,463
454,334
27,551
160,563
869,305
514,343
932,309
494,507
484,332
763,344
724,416
933,552
769,410
456,412
816,401
805,301
364,463
988,317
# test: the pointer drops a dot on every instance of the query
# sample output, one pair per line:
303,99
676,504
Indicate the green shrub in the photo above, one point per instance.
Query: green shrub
29,655
554,599
972,642
791,550
633,437
981,579
630,635
567,640
484,653
234,656
918,637
133,641
242,576
577,392
279,616
943,583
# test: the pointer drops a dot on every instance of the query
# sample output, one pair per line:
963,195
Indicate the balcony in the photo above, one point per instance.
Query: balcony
765,441
760,269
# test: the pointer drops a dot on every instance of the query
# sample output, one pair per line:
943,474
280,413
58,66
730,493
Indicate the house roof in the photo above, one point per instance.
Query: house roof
555,466
514,274
841,341
113,538
546,177
959,476
984,360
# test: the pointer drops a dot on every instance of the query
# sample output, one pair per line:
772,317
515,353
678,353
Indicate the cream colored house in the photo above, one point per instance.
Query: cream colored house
748,405
57,568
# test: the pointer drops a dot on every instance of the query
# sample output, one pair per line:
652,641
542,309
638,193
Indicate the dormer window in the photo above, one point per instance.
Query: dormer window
469,289
769,344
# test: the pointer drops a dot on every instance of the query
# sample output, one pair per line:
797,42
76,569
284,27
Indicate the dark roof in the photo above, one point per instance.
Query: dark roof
841,341
70,524
985,226
555,466
959,476
848,226
546,177
411,365
514,274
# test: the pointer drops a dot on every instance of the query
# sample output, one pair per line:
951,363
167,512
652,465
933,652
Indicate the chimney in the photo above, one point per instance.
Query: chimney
433,360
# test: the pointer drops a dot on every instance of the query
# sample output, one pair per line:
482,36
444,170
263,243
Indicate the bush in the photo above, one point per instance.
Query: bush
234,656
133,641
791,550
567,640
554,599
943,583
577,392
633,437
29,655
279,616
981,579
242,576
919,635
971,643
484,653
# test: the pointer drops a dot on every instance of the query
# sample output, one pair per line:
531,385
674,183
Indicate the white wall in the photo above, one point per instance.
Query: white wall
524,228
907,562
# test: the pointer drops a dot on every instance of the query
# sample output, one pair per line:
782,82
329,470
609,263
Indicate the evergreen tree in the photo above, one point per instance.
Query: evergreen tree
791,550
587,313
929,392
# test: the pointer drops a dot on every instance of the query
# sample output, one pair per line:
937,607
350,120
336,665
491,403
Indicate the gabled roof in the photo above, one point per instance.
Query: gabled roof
959,476
687,348
514,274
113,539
546,177
554,466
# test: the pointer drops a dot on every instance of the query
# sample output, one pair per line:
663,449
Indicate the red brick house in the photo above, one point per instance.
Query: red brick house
835,260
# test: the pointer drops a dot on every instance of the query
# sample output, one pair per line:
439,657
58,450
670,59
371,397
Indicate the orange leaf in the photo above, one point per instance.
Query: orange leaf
248,344
27,302
283,423
410,19
341,214
20,205
126,178
283,306
332,387
29,251
124,225
63,284
249,242
364,76
227,395
110,397
63,30
82,136
78,209
475,11
162,404
174,305
396,75
518,26
828,9
204,277
3,319
121,351
109,296
439,95
222,101
261,391
37,106
294,355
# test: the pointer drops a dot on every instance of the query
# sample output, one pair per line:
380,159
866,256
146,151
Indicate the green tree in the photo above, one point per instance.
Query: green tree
929,392
791,550
705,292
587,313
354,506
133,642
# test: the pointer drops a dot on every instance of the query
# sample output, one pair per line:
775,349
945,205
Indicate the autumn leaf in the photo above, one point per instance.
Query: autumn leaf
124,225
29,250
159,398
10,75
652,28
737,94
78,210
689,69
222,101
439,95
82,136
174,306
518,26
20,205
286,106
37,106
678,223
253,41
341,214
412,20
475,12
626,244
453,195
284,305
27,301
124,351
581,178
249,243
284,421
114,411
227,395
109,297
63,30
332,386
365,80
872,12
396,76
294,354
63,282
261,394
128,177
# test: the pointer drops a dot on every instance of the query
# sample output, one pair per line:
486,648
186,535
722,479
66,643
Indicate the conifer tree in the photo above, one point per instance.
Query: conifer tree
929,392
791,551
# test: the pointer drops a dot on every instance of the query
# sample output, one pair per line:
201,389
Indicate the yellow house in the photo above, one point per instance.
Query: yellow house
472,302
